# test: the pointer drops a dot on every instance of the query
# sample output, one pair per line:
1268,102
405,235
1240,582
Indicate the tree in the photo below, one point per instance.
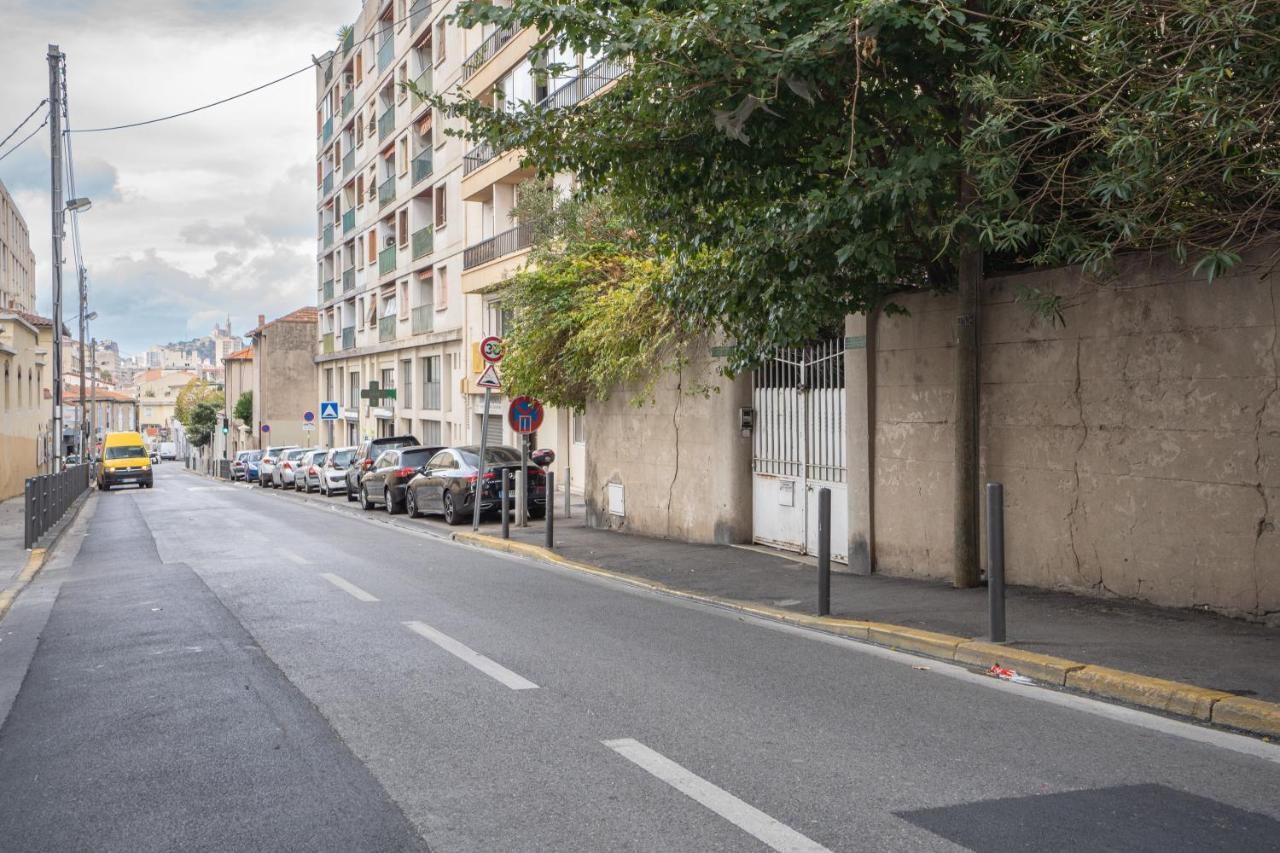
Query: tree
202,421
243,411
196,391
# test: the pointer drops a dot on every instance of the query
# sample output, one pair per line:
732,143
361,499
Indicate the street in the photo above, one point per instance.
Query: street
215,667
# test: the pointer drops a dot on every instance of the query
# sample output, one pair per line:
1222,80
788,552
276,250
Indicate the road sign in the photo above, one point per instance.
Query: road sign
491,349
308,427
489,379
525,415
308,416
266,427
329,410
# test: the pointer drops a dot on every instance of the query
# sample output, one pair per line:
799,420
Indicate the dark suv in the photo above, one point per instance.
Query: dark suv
369,450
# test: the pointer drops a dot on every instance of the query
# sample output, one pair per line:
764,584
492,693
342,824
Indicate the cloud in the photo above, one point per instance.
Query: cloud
203,234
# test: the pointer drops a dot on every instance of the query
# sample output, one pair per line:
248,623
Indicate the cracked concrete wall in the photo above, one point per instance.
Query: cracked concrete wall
1139,443
684,468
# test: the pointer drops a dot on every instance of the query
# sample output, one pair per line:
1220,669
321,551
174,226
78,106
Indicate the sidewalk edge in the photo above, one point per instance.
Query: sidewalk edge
39,556
1215,707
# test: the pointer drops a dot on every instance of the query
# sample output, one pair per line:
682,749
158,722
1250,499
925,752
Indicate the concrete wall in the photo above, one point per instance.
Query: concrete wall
684,467
285,385
1139,444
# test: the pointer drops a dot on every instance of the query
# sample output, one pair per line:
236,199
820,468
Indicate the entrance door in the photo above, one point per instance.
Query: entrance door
799,447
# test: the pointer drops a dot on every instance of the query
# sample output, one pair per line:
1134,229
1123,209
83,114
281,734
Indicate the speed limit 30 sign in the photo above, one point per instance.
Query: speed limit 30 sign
491,349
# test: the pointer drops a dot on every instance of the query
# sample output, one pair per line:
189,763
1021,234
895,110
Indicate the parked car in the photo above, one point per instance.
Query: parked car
251,470
282,475
383,484
448,484
267,464
155,458
307,477
368,451
240,465
333,471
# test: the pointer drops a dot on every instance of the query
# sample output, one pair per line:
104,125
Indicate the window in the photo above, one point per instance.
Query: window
360,315
403,155
406,383
438,40
403,300
402,227
373,245
579,428
441,287
353,386
359,190
497,319
431,382
431,433
388,378
438,198
402,77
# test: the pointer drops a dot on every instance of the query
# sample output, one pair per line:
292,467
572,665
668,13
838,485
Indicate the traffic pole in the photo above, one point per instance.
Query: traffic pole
484,446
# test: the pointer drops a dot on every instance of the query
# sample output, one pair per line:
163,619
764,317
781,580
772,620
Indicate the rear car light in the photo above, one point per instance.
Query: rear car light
405,472
287,466
366,464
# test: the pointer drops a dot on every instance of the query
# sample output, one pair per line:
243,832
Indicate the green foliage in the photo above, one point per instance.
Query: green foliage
243,411
586,314
192,395
201,422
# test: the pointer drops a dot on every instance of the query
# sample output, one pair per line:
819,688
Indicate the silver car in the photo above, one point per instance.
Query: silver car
267,465
282,476
333,471
307,477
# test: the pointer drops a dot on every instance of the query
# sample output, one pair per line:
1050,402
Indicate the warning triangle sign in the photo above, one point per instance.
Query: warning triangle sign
489,379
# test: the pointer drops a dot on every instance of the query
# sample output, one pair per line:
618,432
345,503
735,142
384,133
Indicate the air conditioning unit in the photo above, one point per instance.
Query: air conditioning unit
390,241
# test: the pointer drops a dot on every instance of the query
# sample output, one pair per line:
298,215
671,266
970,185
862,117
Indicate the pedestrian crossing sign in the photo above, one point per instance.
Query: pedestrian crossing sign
329,410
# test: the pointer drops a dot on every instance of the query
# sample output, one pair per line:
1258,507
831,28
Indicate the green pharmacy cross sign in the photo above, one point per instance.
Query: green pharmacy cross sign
376,394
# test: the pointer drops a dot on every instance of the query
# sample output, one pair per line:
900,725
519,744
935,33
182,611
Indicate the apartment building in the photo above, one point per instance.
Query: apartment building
17,261
416,227
25,344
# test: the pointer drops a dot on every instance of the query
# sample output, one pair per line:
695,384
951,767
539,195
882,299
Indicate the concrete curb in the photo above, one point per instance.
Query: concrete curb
1216,707
39,556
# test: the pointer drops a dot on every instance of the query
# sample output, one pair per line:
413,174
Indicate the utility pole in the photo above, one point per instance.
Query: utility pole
84,421
55,193
93,401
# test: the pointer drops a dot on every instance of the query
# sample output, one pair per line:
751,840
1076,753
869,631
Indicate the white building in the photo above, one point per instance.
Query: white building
17,261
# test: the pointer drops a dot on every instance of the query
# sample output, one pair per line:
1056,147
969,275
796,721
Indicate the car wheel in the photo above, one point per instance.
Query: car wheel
451,514
388,502
411,504
365,503
350,497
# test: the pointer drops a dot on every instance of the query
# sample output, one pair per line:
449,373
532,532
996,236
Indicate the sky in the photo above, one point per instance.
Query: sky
195,218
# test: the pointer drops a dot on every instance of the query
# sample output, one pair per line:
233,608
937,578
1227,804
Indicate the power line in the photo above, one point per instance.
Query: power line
23,122
25,138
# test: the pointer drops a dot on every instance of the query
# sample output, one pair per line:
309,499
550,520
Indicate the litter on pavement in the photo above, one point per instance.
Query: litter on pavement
1007,674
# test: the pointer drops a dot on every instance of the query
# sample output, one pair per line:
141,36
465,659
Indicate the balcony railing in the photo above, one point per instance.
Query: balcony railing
386,192
422,242
422,166
328,236
424,319
348,221
486,50
326,345
423,85
326,132
348,163
349,41
327,289
348,102
349,337
509,241
418,13
387,260
348,280
386,52
387,328
584,85
386,123
477,157
327,186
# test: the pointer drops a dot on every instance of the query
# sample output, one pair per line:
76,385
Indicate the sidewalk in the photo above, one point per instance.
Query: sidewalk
1198,648
13,556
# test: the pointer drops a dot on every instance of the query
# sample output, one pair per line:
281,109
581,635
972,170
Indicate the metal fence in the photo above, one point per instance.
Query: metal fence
48,497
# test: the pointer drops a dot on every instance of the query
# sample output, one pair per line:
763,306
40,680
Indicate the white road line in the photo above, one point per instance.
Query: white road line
297,558
748,818
347,587
494,670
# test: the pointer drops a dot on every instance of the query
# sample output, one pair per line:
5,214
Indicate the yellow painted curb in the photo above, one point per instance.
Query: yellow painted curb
1251,715
35,561
1038,666
1171,696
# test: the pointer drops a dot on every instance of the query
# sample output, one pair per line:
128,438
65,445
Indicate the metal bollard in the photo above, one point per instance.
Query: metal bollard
824,552
995,560
568,504
551,512
506,507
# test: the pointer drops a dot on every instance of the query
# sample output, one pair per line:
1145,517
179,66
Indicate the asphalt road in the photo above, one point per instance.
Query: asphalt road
211,667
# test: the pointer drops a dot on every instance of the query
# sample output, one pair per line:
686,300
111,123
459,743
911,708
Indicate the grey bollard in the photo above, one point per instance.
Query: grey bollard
824,552
551,512
995,560
506,506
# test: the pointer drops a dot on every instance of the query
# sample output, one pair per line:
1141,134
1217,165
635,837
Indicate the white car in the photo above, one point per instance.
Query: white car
287,467
307,477
267,464
333,470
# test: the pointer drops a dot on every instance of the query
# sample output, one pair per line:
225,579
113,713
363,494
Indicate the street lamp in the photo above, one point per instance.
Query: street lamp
79,204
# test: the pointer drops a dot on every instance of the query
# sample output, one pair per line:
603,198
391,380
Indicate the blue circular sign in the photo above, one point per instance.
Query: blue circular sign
266,427
525,415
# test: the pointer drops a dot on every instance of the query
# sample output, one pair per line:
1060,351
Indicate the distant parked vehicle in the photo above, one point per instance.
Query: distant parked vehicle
447,485
383,484
155,458
251,470
368,451
333,471
240,465
168,450
283,474
267,464
307,477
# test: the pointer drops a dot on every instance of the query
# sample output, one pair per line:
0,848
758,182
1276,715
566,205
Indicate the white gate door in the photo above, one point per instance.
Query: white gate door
799,447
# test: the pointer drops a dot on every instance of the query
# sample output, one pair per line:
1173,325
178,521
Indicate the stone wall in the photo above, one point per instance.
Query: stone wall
1139,442
684,468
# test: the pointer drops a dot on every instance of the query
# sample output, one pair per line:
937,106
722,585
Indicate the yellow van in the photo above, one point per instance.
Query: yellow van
124,460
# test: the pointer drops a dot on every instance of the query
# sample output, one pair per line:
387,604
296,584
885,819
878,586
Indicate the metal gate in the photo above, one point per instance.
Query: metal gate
799,447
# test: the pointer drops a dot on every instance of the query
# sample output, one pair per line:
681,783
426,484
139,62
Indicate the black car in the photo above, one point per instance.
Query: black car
448,484
385,481
369,450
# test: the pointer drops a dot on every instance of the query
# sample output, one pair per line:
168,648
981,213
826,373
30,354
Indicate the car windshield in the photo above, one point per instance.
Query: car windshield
343,457
295,454
415,458
127,451
391,444
253,456
492,456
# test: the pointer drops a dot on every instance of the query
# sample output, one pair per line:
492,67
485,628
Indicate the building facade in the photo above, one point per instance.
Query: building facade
284,378
157,391
238,371
24,404
17,261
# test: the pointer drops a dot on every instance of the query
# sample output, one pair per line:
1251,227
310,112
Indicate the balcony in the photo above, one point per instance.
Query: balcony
387,260
584,85
422,242
349,337
348,102
387,329
326,344
348,163
477,157
509,241
386,123
348,280
349,40
422,166
386,192
326,132
424,319
327,186
486,51
327,290
328,236
418,13
386,52
348,221
423,85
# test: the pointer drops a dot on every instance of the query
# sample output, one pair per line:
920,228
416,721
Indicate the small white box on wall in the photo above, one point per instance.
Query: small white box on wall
614,494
